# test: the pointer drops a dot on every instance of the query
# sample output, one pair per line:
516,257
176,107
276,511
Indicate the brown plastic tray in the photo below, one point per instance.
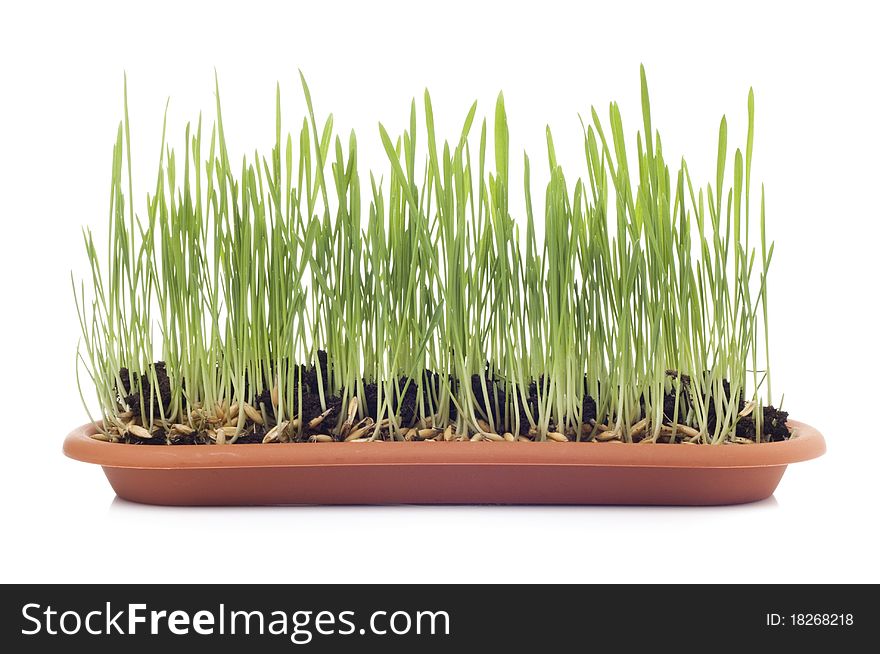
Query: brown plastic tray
445,473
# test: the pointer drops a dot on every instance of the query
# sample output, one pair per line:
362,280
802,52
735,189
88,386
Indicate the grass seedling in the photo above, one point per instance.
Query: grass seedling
280,298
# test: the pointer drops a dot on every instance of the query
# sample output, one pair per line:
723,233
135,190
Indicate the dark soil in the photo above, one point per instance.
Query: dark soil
669,409
500,405
588,409
311,408
191,439
774,428
252,433
497,401
309,374
130,398
159,438
404,400
263,398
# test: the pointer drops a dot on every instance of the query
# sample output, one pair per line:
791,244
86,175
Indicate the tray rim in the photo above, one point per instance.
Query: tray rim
807,444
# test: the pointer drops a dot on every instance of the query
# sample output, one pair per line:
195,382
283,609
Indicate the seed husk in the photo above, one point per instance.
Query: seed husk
350,416
508,437
352,408
607,436
180,428
317,420
557,436
220,436
639,427
687,431
363,422
483,425
747,410
491,436
477,437
278,433
321,438
426,433
448,434
253,414
523,439
140,432
358,433
197,415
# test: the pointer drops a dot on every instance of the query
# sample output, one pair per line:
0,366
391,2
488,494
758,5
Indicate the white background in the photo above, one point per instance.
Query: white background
814,70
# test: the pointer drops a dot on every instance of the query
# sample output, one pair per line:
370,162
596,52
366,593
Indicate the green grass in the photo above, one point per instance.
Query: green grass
646,295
